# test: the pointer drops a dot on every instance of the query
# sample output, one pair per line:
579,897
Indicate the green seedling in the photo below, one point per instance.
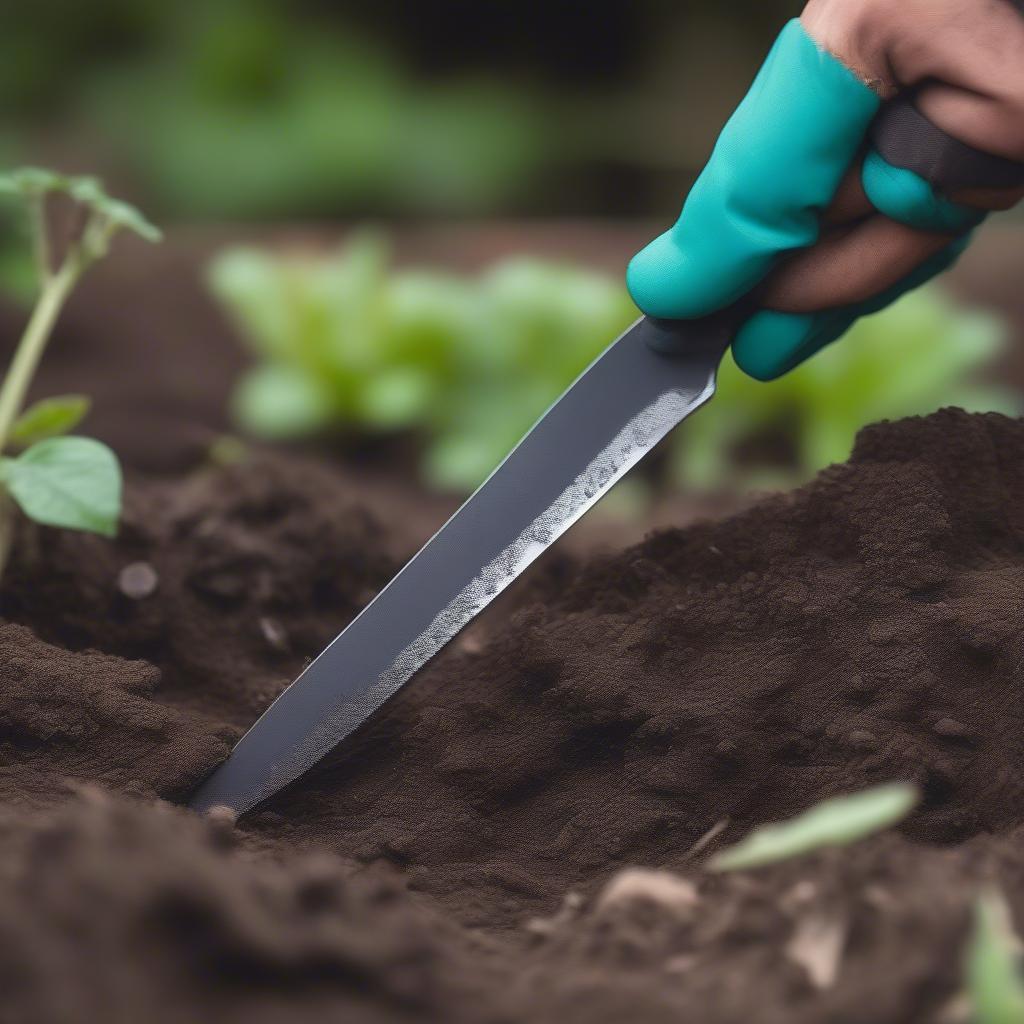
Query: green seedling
921,354
468,363
995,985
56,480
836,822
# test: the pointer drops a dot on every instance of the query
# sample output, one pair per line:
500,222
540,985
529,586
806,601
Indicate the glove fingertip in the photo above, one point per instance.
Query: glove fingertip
766,346
657,280
671,281
905,196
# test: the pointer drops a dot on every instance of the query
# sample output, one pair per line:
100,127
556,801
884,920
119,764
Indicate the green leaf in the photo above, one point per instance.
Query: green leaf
73,482
396,398
33,182
994,982
835,822
282,402
49,418
124,215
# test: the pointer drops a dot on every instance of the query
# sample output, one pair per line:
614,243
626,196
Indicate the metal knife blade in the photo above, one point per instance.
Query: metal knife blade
617,410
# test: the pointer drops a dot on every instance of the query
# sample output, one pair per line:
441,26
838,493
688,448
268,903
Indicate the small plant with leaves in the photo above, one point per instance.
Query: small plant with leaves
836,822
995,982
344,340
57,480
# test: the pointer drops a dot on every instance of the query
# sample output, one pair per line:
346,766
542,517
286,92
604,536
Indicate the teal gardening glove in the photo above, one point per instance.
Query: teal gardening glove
774,171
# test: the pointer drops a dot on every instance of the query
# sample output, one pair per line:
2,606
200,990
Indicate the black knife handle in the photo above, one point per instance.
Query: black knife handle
905,138
713,332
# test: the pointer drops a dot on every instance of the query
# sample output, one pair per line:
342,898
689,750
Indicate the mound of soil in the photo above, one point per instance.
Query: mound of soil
864,629
65,717
468,855
226,579
119,912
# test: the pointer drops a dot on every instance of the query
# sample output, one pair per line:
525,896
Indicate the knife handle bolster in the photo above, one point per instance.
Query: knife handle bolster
712,334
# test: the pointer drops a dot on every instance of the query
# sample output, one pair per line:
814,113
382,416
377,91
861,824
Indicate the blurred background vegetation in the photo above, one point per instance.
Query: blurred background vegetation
393,113
266,108
469,362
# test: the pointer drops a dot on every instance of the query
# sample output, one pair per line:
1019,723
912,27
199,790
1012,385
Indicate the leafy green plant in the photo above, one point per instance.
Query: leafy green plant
469,363
71,482
836,822
264,113
995,984
922,353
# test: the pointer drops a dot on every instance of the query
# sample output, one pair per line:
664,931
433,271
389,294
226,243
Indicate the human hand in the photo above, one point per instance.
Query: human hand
795,204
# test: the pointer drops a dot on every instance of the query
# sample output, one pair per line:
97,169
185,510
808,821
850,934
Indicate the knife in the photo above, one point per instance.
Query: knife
631,396
647,381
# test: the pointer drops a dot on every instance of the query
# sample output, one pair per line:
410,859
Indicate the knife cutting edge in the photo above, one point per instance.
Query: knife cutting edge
630,397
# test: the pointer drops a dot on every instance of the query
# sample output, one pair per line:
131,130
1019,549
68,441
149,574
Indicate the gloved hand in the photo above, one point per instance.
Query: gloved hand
791,203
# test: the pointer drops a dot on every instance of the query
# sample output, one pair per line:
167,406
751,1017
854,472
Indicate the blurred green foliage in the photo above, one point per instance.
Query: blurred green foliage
17,271
995,982
294,108
341,340
17,268
261,115
300,108
918,355
470,362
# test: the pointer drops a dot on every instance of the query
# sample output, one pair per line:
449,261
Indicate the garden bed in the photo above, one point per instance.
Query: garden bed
472,855
462,859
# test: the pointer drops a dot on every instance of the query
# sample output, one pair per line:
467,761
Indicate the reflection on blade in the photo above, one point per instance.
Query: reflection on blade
615,413
610,464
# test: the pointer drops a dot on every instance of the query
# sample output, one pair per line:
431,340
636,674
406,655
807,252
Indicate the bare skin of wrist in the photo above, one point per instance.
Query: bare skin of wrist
965,61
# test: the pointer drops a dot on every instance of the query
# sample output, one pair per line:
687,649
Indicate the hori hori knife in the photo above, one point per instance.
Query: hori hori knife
641,387
608,420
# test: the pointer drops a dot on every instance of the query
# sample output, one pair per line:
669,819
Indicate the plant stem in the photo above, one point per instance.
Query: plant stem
8,524
52,297
54,289
53,293
40,240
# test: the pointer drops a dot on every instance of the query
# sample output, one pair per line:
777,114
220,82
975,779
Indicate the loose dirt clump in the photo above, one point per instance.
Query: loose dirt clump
249,570
111,906
654,705
66,718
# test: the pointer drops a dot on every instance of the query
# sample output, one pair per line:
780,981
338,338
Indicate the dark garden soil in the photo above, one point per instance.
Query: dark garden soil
521,834
463,859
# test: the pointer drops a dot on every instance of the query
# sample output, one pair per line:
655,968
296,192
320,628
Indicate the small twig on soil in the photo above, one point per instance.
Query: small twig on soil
709,837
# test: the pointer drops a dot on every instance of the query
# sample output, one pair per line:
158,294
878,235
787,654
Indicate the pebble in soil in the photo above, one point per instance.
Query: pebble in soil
228,580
